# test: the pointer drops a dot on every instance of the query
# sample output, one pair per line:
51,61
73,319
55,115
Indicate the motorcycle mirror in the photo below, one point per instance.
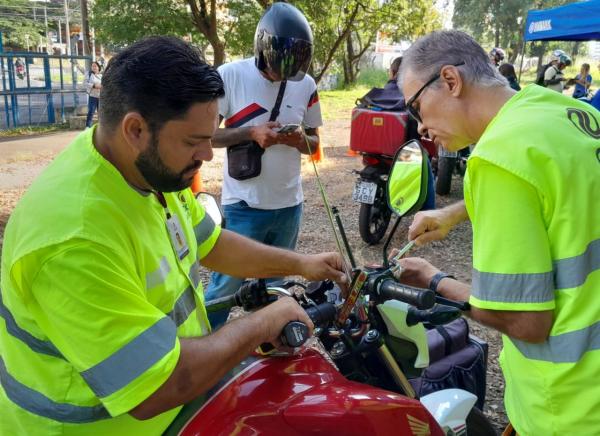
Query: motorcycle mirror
212,207
407,182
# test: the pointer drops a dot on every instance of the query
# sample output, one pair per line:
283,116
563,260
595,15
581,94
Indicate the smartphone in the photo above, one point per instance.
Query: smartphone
288,128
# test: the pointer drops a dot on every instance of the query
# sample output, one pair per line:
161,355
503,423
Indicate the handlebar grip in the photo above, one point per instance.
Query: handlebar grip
221,303
294,334
321,314
421,298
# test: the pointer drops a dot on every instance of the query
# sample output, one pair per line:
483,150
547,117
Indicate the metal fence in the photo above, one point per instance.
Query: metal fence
37,88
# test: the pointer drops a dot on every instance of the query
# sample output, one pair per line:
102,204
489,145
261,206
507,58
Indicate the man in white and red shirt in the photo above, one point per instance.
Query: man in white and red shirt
268,207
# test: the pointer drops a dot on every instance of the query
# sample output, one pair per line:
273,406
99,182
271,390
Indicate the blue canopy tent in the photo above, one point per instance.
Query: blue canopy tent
578,21
573,22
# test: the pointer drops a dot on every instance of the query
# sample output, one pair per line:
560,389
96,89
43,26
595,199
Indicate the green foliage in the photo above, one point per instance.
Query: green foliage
372,78
245,16
125,21
16,24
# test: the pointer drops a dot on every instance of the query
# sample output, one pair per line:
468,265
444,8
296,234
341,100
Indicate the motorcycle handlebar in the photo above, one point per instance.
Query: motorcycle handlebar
421,298
295,333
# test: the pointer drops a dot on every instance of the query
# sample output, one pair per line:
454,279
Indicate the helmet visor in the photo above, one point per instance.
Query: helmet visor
286,58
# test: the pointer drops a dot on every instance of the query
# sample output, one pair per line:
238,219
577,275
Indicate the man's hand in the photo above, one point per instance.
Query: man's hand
264,134
434,225
324,266
293,139
417,272
276,315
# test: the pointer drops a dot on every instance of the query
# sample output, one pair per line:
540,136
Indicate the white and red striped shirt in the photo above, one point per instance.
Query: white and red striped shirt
248,101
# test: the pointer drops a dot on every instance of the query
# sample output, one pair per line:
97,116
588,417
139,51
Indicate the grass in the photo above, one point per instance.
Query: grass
338,104
32,130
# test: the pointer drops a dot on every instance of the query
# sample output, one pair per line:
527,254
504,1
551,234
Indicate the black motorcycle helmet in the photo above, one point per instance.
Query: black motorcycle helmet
283,42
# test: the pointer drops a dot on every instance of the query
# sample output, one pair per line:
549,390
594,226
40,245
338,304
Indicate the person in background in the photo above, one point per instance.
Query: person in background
508,71
582,82
266,205
496,56
553,77
93,85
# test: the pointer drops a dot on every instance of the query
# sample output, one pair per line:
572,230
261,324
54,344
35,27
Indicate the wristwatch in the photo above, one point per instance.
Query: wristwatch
437,278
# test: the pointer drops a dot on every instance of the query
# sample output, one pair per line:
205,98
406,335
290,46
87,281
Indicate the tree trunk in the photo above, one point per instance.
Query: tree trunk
575,51
337,43
205,21
349,76
346,69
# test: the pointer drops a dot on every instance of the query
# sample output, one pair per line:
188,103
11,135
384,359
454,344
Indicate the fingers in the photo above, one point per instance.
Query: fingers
425,238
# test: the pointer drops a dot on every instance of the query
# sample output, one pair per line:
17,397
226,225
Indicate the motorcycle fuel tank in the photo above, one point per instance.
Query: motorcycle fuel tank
305,394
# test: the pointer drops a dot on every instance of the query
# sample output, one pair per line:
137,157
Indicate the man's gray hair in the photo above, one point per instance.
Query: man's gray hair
429,54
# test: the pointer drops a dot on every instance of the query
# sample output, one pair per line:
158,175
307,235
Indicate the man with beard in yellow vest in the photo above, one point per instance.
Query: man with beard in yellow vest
103,329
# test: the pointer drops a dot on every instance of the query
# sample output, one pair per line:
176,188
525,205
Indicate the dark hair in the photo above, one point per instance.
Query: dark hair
160,77
395,65
507,70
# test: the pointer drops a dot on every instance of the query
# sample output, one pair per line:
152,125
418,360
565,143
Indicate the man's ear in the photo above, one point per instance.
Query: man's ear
452,80
136,131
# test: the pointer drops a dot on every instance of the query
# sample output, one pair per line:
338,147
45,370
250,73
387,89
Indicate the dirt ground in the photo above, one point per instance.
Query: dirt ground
18,169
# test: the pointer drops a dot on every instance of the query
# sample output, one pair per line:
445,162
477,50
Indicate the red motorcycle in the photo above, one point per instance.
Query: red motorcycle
354,379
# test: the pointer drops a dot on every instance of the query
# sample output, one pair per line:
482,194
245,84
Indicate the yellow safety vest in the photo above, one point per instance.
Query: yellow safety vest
533,195
94,299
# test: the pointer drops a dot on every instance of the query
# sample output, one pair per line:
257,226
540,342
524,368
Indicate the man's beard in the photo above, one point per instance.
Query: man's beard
157,174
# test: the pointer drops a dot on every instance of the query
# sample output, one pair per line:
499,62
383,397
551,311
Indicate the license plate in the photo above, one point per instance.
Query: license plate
364,192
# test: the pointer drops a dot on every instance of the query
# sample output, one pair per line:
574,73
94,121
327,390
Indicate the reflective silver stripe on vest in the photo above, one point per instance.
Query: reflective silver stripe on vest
195,274
184,306
131,360
37,403
204,229
159,275
513,288
537,287
573,271
566,348
37,345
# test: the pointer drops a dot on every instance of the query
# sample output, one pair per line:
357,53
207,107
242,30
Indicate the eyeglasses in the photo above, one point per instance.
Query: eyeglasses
412,111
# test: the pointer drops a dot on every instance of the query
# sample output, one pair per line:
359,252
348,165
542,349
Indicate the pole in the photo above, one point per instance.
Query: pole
93,35
60,34
48,50
522,58
85,30
67,30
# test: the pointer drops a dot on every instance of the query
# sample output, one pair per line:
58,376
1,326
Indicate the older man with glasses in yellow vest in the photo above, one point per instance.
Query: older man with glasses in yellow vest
531,191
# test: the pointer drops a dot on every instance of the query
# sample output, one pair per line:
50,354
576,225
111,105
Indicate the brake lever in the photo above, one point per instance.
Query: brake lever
462,305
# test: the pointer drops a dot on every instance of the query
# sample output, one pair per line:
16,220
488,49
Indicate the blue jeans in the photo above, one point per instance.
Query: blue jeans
278,227
92,106
430,199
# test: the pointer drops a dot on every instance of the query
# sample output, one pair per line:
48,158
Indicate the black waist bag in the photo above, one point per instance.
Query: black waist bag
244,160
456,360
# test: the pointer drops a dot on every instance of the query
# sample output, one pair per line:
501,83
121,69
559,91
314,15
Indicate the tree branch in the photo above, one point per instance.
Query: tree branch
198,16
338,41
264,3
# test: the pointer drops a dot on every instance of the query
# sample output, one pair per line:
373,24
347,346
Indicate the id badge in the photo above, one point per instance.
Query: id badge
177,236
